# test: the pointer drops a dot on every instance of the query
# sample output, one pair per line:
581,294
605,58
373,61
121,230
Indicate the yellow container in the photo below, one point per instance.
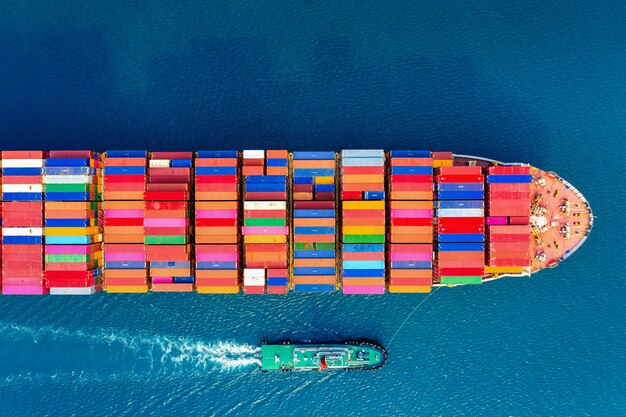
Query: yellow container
265,239
408,289
357,179
364,205
217,290
363,230
503,269
324,180
128,289
71,231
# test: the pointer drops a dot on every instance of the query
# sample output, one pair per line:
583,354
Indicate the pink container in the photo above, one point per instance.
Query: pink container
368,289
411,214
217,257
67,249
411,256
151,222
123,214
265,230
162,280
493,221
124,256
363,256
216,214
24,290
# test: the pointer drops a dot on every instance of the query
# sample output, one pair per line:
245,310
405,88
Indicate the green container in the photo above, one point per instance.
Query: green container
465,279
325,246
363,238
273,221
166,240
68,188
313,246
68,258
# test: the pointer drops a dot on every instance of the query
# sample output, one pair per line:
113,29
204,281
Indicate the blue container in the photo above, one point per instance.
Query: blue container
461,247
411,265
314,214
125,265
132,170
324,188
69,196
22,196
461,195
277,281
182,163
216,265
216,170
127,154
363,247
69,240
310,254
183,280
314,271
22,172
67,162
276,162
453,186
266,179
170,264
461,238
409,154
453,204
313,288
374,195
363,264
364,273
67,222
412,170
69,171
314,172
303,180
509,179
312,230
217,154
313,156
265,187
22,240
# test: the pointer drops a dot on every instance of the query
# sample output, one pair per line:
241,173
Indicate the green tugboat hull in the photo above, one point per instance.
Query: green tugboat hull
351,355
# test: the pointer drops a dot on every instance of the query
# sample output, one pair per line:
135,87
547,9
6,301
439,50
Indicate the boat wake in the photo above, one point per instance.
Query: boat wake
162,352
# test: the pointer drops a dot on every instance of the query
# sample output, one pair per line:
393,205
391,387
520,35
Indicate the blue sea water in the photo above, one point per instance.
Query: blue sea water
532,81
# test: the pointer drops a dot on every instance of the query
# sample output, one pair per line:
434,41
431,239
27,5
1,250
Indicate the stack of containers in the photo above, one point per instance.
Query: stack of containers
314,220
410,252
22,232
167,228
73,222
509,217
442,159
265,229
460,225
363,210
217,222
125,177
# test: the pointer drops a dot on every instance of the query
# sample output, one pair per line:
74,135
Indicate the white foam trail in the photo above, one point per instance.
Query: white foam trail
177,350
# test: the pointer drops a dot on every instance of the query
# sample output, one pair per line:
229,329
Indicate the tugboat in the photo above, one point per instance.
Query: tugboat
351,355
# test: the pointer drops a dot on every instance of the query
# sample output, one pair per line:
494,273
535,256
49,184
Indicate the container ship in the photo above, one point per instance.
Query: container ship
359,221
349,356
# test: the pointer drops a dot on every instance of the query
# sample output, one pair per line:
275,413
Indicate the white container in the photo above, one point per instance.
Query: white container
73,290
362,162
22,231
22,163
460,212
254,282
22,188
254,154
363,153
68,179
160,163
264,205
253,272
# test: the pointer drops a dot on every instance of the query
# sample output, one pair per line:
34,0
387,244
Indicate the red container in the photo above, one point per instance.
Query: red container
215,222
165,195
31,179
461,178
277,290
134,178
509,170
416,186
253,290
459,271
460,224
460,170
301,205
519,220
122,162
356,170
441,155
23,154
118,221
211,179
410,162
352,195
217,282
166,205
411,221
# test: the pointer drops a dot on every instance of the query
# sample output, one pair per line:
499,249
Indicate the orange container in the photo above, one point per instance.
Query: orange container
66,205
411,195
363,281
208,239
166,287
411,230
123,230
170,272
410,238
408,289
208,289
314,279
303,196
253,256
165,214
125,281
69,214
314,238
323,262
276,153
363,214
216,274
411,162
216,162
217,205
300,163
123,195
346,221
360,186
313,222
365,179
136,238
410,273
123,162
134,289
276,170
123,205
460,255
222,196
214,230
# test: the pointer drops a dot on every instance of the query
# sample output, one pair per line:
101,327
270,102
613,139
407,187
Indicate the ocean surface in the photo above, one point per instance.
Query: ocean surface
531,81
